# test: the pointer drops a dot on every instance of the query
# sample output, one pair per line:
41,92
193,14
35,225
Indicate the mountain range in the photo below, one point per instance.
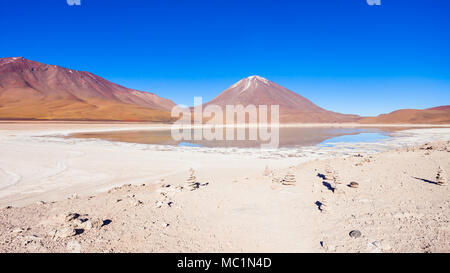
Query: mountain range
37,91
33,90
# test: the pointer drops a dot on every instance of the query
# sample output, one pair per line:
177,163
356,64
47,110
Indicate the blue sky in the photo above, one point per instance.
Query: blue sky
344,55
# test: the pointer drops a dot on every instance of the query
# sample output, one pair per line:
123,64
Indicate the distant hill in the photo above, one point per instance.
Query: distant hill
33,90
435,115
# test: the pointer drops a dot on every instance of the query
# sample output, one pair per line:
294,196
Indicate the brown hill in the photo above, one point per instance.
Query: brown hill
33,90
444,107
293,107
435,115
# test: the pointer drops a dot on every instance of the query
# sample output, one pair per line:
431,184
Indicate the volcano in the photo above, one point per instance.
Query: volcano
256,90
33,90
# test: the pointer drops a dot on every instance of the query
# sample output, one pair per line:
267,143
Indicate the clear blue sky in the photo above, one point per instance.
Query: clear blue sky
344,55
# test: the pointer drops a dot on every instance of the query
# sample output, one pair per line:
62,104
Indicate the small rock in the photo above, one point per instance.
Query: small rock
64,233
158,204
30,239
138,203
74,196
18,230
87,225
353,185
73,247
71,216
328,247
97,223
355,234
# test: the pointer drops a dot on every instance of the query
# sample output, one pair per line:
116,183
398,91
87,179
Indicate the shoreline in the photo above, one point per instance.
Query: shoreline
396,195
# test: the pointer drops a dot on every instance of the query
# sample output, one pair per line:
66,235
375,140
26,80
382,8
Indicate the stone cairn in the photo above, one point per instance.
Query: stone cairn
337,183
333,176
440,177
289,179
192,182
324,205
267,171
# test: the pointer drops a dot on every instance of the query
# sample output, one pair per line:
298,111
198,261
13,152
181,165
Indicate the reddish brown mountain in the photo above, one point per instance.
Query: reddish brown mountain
32,90
293,107
435,115
444,108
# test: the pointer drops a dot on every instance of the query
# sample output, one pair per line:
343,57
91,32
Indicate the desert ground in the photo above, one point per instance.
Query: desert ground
87,195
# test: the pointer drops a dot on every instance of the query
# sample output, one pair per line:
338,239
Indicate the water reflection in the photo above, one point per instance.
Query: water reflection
289,137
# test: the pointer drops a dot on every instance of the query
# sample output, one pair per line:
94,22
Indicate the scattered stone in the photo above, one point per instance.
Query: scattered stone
89,224
158,204
73,196
27,240
355,234
18,230
353,185
170,204
40,203
71,216
378,246
114,189
99,223
8,207
328,247
64,233
73,246
138,203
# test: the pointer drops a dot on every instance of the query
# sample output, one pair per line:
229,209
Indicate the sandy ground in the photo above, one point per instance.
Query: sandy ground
66,195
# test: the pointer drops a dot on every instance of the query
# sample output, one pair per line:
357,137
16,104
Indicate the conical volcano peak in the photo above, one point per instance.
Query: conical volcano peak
258,78
256,90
